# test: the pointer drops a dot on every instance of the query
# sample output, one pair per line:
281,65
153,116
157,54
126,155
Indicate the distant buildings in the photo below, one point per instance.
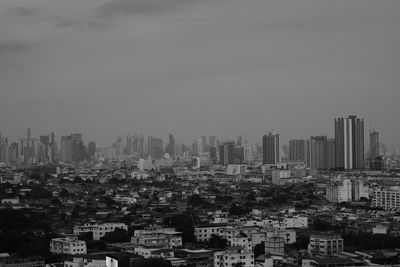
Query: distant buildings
349,137
271,149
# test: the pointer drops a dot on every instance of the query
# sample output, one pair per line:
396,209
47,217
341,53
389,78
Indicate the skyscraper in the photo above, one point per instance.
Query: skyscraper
349,137
317,152
271,149
297,150
170,148
373,145
66,148
91,150
227,153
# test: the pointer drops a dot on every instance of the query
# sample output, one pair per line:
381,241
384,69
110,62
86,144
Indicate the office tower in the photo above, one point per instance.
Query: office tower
331,153
135,144
117,147
212,141
317,152
373,145
154,147
297,150
13,153
213,154
140,148
52,138
239,154
227,153
204,142
128,145
66,148
53,149
44,139
271,149
170,148
199,146
91,150
28,133
43,153
349,136
78,149
3,149
239,141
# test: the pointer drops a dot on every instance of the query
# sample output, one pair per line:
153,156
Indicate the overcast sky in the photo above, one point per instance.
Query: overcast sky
198,67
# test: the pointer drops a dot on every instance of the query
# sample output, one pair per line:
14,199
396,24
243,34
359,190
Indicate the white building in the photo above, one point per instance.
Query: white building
205,232
145,164
295,222
325,243
87,261
232,256
157,237
279,175
338,192
386,198
98,230
67,245
236,169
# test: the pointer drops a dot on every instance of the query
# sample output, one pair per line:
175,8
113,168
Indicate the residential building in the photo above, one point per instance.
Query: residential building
297,150
279,176
386,198
8,261
98,230
232,256
338,192
325,243
67,245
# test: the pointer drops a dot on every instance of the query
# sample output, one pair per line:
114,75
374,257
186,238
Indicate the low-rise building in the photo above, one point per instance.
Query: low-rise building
98,230
22,262
386,198
232,256
67,245
325,243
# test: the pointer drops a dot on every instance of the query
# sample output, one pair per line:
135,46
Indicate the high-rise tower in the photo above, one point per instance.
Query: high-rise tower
271,149
349,136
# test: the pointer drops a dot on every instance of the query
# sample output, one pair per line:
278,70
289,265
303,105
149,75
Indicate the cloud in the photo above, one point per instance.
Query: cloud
83,24
22,12
7,48
132,7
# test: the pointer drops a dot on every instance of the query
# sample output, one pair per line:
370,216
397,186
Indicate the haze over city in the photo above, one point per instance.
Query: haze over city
213,67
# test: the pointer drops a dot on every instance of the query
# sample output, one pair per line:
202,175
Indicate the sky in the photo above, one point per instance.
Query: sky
198,67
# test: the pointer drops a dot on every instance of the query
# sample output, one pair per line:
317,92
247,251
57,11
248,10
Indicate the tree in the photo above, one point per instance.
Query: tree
217,242
259,249
64,193
195,200
183,223
38,192
118,236
151,262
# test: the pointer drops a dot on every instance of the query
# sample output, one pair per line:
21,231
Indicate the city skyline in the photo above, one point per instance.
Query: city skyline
198,67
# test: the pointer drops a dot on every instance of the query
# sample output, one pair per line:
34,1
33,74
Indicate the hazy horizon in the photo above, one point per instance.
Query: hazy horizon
198,67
